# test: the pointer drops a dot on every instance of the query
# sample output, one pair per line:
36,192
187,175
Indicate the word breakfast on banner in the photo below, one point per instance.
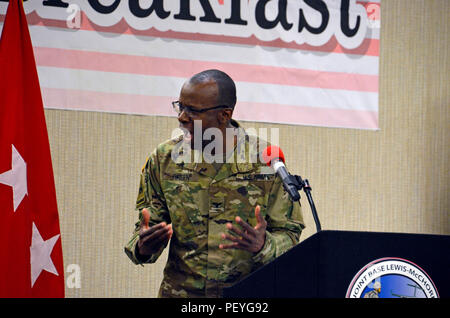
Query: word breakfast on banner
309,62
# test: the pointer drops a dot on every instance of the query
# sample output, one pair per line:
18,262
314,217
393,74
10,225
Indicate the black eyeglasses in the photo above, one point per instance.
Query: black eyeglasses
179,108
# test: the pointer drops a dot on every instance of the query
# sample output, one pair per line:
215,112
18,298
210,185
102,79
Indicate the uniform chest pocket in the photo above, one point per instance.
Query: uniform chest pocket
243,196
185,201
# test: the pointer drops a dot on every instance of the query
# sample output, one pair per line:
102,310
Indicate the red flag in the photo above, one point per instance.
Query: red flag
31,263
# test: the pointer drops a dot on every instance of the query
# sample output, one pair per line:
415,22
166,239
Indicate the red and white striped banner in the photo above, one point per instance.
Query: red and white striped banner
310,62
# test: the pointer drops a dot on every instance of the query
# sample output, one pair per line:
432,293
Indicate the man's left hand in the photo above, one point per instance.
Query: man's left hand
248,238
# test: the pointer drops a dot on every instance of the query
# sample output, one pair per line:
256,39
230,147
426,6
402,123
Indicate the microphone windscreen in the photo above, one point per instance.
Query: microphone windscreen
271,153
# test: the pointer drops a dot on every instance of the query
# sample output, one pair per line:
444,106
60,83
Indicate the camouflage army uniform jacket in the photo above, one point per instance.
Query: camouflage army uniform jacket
199,201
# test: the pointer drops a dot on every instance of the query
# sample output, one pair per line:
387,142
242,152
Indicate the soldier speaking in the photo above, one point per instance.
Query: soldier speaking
224,217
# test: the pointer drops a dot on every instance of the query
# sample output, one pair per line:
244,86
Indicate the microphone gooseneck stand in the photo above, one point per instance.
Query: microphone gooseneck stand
299,184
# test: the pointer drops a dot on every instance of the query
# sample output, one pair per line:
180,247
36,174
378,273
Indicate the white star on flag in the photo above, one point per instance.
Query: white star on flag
16,177
40,252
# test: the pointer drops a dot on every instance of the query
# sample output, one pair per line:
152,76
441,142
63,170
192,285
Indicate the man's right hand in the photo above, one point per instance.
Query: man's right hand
152,238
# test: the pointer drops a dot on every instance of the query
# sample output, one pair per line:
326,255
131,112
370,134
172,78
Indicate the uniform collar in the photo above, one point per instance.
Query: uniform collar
245,146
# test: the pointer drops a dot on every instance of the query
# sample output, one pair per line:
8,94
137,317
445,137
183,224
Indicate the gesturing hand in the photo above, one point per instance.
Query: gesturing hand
151,238
250,238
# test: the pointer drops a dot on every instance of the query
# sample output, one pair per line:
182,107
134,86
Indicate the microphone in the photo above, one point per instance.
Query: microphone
274,157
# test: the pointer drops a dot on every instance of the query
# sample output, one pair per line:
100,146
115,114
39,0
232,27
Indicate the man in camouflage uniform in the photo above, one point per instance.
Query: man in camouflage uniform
223,220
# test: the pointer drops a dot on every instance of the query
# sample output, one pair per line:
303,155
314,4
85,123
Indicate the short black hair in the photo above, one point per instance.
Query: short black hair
225,84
